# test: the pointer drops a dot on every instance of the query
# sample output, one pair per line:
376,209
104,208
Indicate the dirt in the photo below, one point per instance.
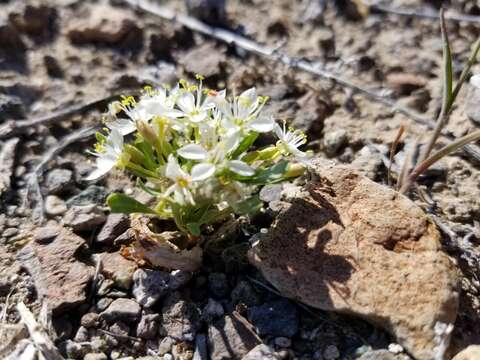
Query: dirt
58,54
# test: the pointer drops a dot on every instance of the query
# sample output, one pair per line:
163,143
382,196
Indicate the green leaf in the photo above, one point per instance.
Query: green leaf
194,228
447,64
271,175
250,206
245,144
120,203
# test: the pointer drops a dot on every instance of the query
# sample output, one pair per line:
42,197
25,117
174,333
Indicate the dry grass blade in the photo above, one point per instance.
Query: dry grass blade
447,91
425,164
393,150
408,163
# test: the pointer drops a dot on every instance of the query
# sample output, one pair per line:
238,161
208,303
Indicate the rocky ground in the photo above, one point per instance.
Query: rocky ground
55,55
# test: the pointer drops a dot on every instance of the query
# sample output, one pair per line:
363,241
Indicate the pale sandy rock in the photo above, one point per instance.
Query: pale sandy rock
105,25
470,353
360,248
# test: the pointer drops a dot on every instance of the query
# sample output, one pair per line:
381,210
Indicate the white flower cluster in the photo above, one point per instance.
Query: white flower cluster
191,146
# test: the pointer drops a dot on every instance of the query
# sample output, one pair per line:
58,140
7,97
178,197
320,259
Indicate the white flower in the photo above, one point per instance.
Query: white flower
181,181
242,112
159,104
127,126
290,140
215,158
108,154
195,110
193,152
475,80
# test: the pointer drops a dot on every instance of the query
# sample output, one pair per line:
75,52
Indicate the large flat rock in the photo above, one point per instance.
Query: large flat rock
350,245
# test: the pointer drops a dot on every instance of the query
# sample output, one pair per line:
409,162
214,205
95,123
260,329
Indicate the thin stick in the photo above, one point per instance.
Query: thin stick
16,127
393,149
37,334
420,13
296,63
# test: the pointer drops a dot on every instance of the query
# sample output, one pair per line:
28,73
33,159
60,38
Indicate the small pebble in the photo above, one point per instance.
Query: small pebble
331,352
55,206
283,342
10,232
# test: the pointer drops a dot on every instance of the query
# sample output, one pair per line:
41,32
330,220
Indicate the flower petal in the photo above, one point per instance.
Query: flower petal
198,117
173,170
192,152
262,124
104,163
241,168
124,126
278,131
202,171
186,102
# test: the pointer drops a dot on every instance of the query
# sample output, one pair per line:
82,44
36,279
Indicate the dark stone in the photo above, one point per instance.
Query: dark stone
245,294
11,108
115,225
53,67
93,194
276,318
59,181
218,285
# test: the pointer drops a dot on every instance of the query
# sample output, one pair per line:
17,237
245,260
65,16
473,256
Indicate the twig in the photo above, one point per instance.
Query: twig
37,334
33,184
296,63
426,14
98,265
3,316
120,336
16,127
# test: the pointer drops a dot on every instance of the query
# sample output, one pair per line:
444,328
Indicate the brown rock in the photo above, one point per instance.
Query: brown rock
359,248
470,353
108,26
118,268
60,277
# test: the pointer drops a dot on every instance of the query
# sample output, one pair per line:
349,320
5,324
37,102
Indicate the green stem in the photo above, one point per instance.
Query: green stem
139,170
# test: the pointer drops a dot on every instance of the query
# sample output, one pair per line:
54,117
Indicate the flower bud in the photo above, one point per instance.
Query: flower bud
146,131
295,170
